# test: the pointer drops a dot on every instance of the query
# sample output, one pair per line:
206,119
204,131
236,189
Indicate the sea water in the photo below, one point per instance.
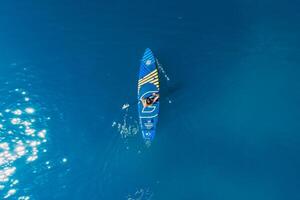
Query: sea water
229,120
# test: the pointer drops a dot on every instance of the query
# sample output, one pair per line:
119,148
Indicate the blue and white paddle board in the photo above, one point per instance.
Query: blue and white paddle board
147,85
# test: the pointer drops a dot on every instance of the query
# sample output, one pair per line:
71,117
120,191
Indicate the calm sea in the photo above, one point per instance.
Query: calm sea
229,119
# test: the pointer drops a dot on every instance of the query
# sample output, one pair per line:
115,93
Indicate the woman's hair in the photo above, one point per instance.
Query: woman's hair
148,100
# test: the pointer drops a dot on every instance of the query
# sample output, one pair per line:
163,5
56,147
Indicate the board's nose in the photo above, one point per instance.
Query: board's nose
148,57
148,51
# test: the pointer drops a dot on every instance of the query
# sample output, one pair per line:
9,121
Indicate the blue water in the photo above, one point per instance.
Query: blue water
230,132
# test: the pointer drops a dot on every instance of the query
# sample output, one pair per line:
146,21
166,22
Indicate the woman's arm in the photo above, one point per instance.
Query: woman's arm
156,97
144,102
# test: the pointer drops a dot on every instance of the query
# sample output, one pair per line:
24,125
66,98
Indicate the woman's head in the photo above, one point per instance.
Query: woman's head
148,101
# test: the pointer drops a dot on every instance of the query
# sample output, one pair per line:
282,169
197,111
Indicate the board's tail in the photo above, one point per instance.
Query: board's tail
148,135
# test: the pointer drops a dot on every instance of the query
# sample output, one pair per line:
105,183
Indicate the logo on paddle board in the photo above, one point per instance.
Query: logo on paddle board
148,62
148,124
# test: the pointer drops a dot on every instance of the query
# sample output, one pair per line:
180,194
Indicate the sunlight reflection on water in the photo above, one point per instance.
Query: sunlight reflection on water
22,139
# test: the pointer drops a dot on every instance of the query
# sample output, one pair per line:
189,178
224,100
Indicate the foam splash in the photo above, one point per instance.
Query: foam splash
128,126
125,106
141,194
167,78
160,67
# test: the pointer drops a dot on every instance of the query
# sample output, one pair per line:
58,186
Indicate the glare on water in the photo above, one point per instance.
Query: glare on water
22,138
